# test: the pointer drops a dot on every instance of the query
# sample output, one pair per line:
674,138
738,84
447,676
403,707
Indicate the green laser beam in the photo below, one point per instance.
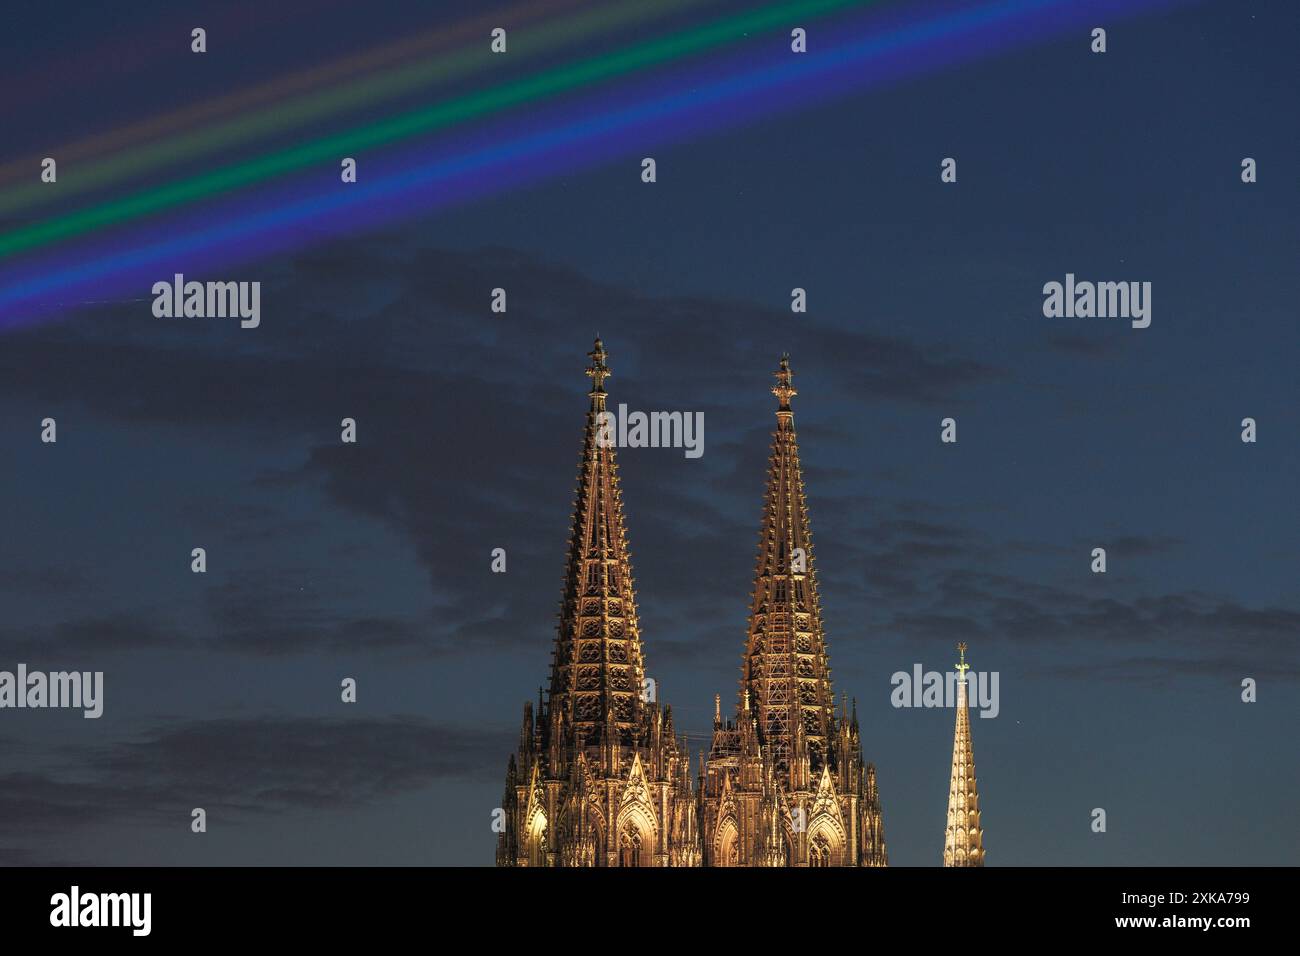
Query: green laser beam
304,109
416,122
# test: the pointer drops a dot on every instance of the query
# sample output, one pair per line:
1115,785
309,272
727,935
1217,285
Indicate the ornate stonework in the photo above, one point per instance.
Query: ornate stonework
785,783
599,778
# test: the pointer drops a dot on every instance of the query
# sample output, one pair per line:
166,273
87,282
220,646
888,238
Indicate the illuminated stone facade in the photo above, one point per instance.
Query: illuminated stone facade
784,783
599,778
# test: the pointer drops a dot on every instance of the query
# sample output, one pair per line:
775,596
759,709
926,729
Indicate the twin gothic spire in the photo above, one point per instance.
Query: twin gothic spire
601,779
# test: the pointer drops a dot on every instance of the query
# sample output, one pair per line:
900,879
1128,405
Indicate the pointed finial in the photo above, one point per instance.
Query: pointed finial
598,370
963,667
783,390
717,709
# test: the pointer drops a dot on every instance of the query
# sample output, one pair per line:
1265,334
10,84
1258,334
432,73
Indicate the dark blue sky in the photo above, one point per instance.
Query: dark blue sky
1119,691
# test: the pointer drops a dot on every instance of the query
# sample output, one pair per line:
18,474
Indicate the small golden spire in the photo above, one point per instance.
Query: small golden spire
783,390
963,842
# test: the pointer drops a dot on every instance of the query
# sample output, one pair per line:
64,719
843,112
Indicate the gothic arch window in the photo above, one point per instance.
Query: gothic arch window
728,844
535,840
819,851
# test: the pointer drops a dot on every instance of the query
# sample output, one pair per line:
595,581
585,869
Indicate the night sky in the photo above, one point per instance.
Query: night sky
327,560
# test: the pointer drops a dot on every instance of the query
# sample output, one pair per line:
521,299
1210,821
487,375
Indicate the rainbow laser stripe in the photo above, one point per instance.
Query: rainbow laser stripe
303,80
133,50
414,123
285,115
466,171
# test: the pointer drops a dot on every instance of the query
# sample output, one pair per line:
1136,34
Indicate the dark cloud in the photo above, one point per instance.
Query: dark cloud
433,338
240,769
79,641
1190,634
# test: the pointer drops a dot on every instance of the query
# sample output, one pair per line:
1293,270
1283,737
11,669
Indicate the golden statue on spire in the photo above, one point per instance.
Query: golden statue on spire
598,371
783,390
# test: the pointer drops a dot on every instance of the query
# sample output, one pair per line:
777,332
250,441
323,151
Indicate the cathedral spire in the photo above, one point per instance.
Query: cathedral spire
788,750
597,669
963,839
600,778
786,672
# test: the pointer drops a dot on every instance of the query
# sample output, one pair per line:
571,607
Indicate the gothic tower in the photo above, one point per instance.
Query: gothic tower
599,779
784,783
963,841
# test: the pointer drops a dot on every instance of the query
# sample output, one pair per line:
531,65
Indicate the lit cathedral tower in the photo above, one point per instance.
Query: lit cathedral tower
785,783
963,841
599,779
